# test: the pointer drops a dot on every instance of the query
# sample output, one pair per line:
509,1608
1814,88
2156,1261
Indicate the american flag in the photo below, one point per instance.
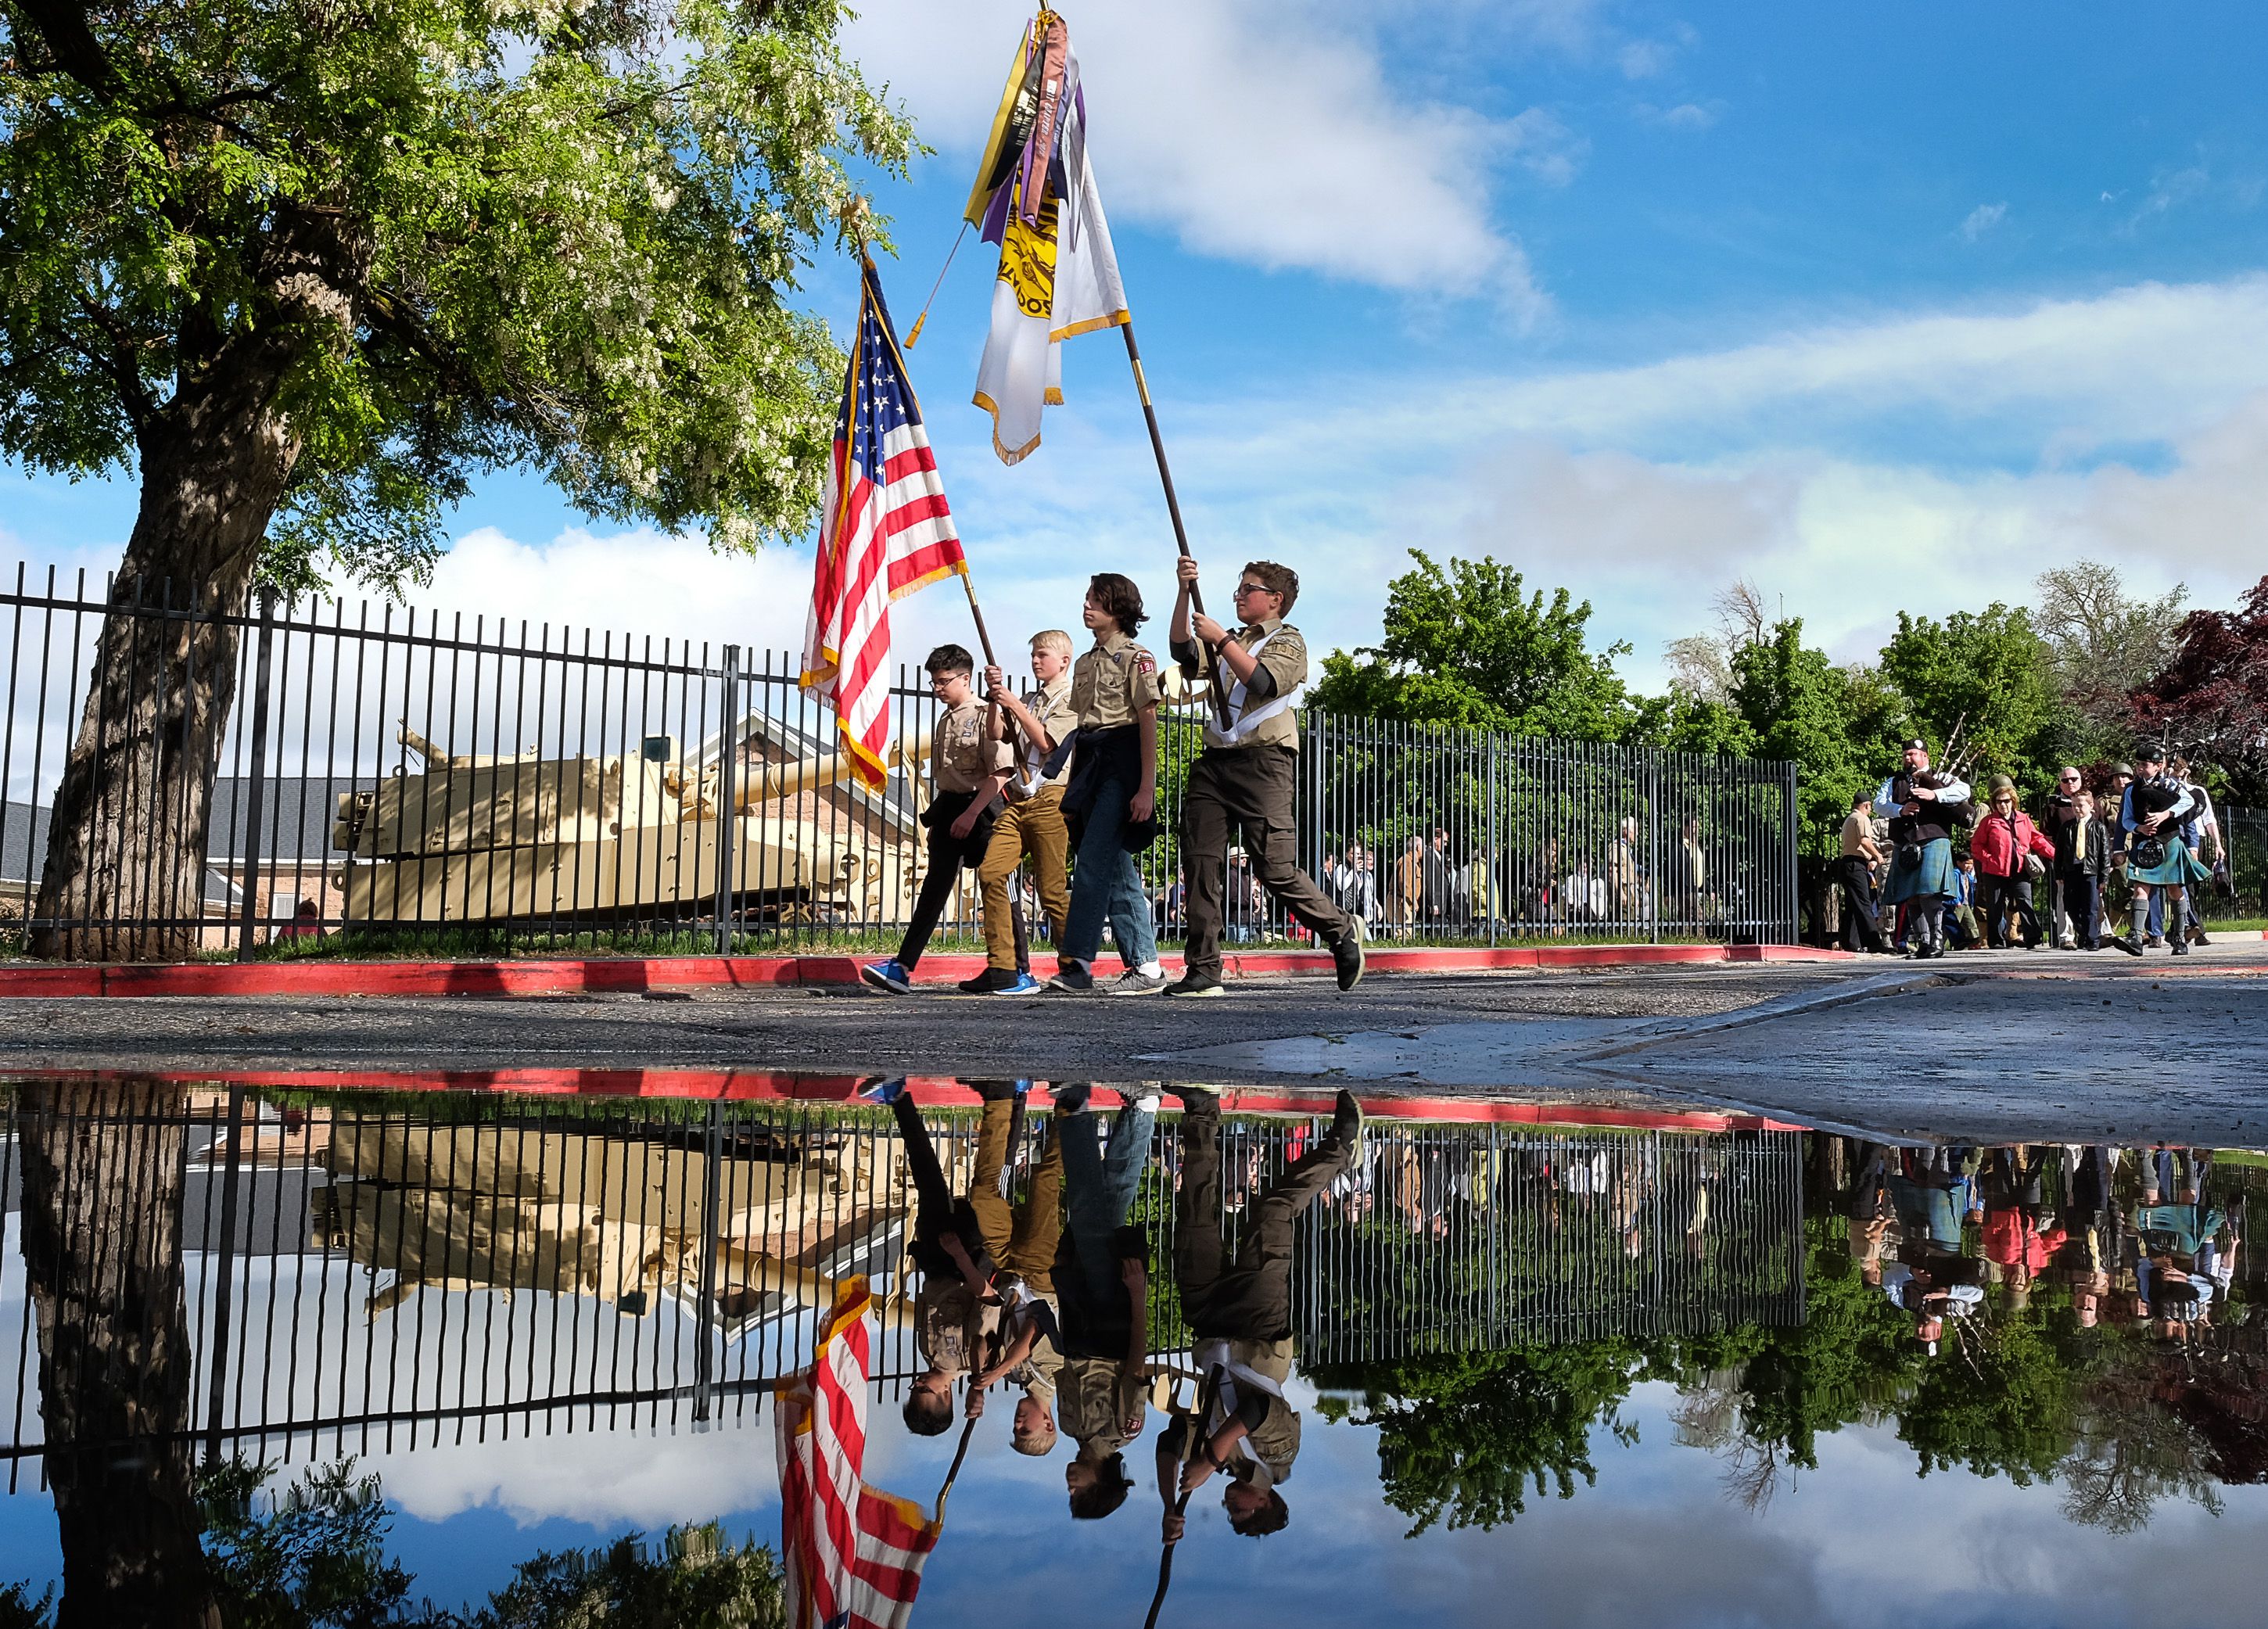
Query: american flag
852,1554
887,532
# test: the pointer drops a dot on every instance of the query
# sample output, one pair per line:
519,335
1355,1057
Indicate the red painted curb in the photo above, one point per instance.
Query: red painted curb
932,1091
625,975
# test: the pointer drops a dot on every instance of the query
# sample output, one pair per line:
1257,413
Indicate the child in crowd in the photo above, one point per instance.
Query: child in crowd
968,766
1109,804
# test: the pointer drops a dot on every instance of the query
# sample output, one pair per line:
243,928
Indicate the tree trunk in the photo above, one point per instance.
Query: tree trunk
124,879
102,1254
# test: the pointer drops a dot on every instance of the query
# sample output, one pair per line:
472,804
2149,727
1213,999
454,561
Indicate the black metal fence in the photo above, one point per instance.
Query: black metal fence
351,1276
2243,891
393,777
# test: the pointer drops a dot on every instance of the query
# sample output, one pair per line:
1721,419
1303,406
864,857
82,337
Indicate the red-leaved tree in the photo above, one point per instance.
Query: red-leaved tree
2211,698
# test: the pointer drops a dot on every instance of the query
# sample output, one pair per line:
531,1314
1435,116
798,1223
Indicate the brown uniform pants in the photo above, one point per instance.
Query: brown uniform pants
1246,1295
1034,827
1021,1238
1249,788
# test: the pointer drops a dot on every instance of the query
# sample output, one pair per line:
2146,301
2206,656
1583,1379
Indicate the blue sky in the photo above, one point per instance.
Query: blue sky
1881,306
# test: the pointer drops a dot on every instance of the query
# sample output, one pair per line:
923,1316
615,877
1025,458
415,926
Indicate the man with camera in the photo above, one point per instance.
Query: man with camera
2082,858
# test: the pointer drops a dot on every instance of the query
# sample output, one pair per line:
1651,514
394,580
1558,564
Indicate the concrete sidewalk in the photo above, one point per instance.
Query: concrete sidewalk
1984,1045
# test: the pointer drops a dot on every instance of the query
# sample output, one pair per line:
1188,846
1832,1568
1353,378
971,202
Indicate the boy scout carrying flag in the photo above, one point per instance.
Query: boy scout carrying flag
1248,769
1032,824
967,768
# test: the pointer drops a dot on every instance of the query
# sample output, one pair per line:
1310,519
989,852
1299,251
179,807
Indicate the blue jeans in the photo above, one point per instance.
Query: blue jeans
1098,1186
1107,883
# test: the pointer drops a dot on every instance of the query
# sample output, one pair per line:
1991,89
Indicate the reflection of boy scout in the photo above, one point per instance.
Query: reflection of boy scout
1247,772
967,770
1032,824
1239,1308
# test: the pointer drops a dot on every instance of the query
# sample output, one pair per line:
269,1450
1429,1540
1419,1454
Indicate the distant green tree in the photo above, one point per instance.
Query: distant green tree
1990,672
2102,644
1472,645
2000,1401
1838,727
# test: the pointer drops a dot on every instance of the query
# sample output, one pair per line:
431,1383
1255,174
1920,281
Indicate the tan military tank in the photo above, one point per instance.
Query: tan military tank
530,838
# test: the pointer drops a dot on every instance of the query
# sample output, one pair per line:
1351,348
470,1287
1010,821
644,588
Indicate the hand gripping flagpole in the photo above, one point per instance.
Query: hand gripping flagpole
1201,1410
1173,503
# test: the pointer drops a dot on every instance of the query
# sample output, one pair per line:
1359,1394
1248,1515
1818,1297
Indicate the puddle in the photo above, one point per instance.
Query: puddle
1672,1369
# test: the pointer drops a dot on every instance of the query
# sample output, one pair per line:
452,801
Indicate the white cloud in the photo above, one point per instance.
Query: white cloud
1981,219
1644,59
1684,116
1266,134
1545,148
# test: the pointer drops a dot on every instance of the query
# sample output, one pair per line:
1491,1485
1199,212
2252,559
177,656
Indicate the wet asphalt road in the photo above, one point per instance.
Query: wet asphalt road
1983,1047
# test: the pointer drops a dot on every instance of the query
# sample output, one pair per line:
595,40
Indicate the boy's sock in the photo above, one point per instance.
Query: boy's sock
1151,969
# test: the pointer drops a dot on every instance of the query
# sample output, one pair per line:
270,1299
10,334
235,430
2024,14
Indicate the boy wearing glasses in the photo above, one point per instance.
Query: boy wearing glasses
1247,773
968,766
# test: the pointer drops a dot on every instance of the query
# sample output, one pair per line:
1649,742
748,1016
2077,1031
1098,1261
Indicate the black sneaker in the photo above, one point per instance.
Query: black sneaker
1074,978
2127,944
1346,955
991,981
1346,1121
1194,983
1197,1099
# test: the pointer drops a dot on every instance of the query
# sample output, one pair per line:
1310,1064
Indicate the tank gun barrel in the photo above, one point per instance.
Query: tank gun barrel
771,782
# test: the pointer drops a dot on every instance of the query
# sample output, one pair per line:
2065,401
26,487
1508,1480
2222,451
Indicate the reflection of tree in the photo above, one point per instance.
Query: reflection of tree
1465,1436
313,1556
2129,1452
103,1171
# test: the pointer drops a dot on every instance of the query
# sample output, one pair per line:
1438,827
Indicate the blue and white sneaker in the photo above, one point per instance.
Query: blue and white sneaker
1025,985
884,1092
889,975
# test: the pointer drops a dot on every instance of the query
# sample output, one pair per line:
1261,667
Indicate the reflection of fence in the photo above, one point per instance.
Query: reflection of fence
388,771
350,1280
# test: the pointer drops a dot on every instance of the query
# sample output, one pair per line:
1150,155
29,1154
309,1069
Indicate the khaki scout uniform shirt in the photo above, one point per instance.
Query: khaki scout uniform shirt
1857,833
1052,704
1113,683
950,1326
960,756
1285,659
1097,1396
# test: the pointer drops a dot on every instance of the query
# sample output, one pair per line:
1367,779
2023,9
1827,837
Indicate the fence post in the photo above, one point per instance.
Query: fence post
1492,892
1789,837
224,1297
1653,869
257,795
728,824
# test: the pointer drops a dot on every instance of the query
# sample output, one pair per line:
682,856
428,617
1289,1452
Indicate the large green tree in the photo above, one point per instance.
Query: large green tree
1473,646
307,268
1838,726
1988,673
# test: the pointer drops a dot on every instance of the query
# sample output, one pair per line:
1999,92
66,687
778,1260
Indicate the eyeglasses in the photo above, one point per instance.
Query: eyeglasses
1242,589
2069,780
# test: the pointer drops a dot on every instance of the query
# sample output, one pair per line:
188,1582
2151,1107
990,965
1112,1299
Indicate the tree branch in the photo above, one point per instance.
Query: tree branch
121,360
69,39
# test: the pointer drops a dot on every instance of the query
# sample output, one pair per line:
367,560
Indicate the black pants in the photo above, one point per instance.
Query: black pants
1860,929
947,855
936,1212
1250,787
1247,1296
2010,897
2082,902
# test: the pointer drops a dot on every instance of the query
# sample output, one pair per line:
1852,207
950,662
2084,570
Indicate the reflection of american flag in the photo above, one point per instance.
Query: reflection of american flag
886,532
852,1554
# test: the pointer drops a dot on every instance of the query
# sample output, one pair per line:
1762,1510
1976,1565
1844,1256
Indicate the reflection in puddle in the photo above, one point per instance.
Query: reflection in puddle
1715,1335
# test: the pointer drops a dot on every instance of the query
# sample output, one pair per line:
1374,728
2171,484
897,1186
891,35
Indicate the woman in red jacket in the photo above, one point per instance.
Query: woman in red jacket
2002,845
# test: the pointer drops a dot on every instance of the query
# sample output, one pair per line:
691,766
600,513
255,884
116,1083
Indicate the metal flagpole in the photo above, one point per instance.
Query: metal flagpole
1173,503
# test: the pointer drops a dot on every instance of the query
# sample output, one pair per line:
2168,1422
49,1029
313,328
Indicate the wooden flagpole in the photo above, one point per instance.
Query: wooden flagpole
1173,502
